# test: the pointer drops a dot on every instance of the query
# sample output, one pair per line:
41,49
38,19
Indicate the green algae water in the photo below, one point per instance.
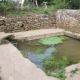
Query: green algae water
69,48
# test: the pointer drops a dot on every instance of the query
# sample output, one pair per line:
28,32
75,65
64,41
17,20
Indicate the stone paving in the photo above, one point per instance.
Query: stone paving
14,67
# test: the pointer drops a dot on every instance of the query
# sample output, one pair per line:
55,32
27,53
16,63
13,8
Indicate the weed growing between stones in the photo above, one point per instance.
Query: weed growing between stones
73,72
60,74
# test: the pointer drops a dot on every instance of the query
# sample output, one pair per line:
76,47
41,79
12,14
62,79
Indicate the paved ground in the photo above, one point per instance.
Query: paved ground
14,67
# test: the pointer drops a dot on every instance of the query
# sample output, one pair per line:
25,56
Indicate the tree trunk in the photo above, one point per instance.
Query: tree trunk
36,3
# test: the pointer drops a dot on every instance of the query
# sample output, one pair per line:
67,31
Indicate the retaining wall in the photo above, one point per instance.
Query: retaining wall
27,22
64,19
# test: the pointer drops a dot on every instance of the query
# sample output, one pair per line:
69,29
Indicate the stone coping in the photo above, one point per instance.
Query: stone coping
37,34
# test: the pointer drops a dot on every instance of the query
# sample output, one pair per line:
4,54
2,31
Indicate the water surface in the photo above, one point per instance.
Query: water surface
69,48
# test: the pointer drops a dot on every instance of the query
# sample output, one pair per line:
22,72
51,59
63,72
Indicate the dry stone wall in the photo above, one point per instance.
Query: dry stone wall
27,22
65,19
68,20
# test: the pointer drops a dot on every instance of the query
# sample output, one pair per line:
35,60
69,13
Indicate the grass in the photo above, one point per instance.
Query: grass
17,13
21,13
40,10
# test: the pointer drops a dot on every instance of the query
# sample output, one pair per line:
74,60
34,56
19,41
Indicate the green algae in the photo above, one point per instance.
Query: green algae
52,40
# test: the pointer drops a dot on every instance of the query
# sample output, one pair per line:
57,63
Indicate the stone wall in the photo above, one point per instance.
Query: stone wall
27,22
68,20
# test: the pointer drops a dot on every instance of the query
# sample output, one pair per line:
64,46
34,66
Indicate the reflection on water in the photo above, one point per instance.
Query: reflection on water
38,58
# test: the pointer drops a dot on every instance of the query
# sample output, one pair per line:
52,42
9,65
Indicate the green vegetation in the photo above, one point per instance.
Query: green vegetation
58,4
39,7
23,54
73,71
39,51
6,6
60,74
53,63
48,72
17,13
52,40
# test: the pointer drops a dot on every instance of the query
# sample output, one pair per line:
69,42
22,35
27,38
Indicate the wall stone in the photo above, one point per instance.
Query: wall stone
68,20
27,22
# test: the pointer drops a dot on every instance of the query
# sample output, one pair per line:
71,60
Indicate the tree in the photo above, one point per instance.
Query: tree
74,4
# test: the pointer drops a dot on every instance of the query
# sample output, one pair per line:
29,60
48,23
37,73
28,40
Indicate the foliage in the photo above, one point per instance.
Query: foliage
58,4
73,71
39,51
53,63
53,6
46,12
73,4
60,74
52,40
48,73
8,6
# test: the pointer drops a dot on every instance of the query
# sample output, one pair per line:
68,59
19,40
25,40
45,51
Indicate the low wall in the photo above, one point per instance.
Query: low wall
27,22
68,20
